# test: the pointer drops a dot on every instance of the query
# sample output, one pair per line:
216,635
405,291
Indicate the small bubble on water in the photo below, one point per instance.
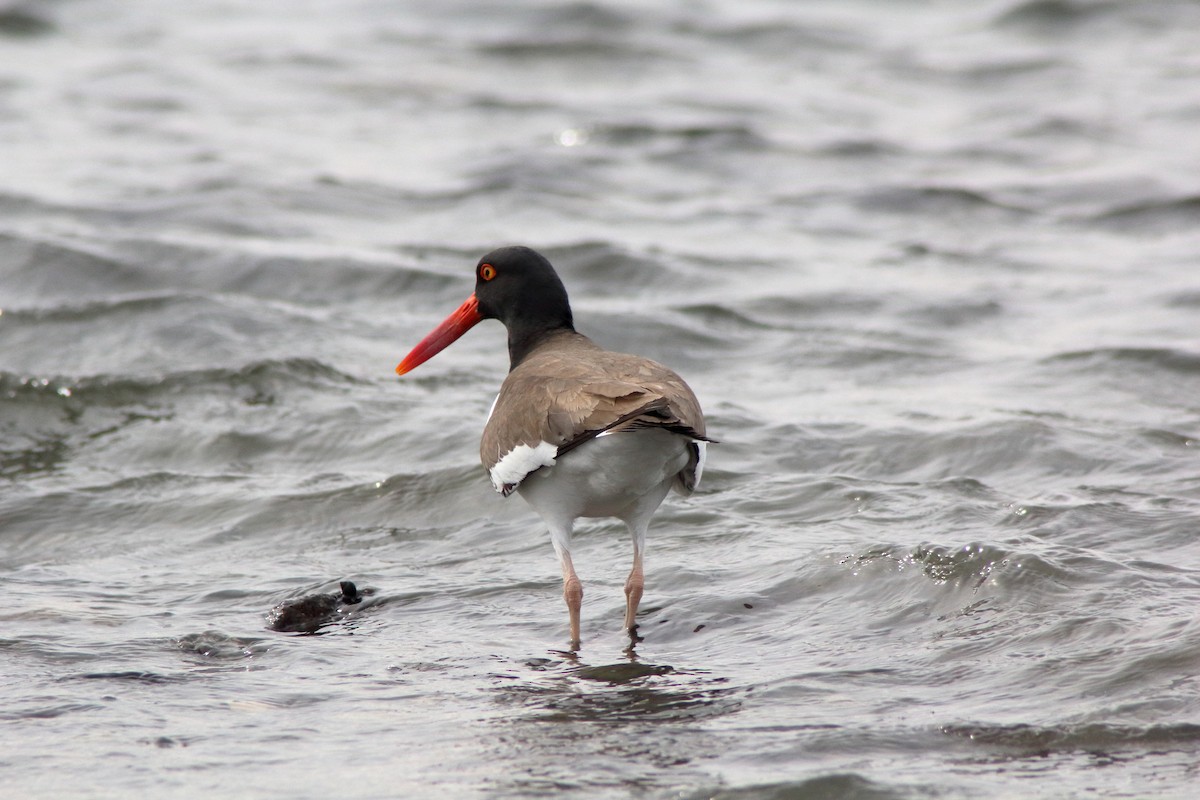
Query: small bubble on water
63,391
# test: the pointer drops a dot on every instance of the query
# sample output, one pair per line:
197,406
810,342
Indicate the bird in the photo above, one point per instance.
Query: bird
576,430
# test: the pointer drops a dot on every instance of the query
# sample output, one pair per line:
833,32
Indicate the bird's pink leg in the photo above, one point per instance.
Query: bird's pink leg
572,593
633,590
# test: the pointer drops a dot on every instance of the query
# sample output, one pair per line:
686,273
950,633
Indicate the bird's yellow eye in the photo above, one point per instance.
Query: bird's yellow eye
487,272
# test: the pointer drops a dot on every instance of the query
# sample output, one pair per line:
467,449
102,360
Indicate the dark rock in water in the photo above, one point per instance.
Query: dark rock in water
307,614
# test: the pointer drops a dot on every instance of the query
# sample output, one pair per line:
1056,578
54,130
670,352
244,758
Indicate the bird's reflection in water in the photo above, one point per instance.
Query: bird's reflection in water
566,687
636,718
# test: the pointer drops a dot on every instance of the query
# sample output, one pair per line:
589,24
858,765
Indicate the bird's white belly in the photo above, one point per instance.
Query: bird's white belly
607,476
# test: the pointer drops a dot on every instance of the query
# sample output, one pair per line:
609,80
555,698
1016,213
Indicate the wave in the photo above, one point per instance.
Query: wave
1066,18
842,785
117,391
1153,216
726,137
1054,16
938,200
965,569
20,21
92,311
780,34
44,419
1035,740
600,268
37,270
576,50
214,646
1167,359
44,280
427,499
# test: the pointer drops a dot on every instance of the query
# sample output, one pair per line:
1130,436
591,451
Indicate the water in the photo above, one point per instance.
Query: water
929,266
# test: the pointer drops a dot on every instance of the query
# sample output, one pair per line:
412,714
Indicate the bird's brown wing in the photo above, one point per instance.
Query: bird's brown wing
571,391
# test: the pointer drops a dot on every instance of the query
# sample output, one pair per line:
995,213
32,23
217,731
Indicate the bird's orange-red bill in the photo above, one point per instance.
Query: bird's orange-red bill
441,337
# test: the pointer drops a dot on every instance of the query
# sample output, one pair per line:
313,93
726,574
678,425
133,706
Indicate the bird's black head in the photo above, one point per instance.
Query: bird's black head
519,287
515,285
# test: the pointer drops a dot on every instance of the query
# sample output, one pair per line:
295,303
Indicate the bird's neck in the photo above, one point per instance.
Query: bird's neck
524,340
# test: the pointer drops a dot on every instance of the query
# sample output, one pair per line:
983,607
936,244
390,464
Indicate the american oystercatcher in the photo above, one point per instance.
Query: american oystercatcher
576,430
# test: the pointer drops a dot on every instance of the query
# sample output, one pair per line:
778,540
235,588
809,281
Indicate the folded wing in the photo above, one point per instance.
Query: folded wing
562,396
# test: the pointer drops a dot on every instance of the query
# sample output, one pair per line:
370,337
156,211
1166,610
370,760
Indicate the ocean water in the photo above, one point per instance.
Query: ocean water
930,267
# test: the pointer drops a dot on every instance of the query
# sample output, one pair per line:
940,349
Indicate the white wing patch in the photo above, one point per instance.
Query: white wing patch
519,462
701,454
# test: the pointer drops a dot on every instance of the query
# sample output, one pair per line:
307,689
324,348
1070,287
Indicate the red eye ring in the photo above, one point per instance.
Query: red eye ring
487,272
